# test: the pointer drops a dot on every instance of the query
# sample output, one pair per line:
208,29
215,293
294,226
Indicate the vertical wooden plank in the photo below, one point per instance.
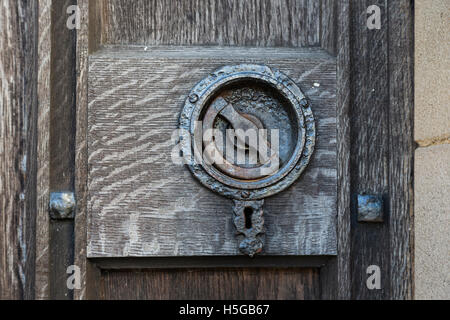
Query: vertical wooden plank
377,67
369,145
98,17
62,142
344,101
401,166
43,156
18,147
329,25
88,39
82,48
313,21
335,275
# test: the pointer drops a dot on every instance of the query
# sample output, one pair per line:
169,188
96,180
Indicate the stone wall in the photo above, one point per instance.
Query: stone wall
432,158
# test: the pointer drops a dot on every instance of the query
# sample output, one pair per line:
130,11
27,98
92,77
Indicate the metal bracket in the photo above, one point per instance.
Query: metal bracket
62,205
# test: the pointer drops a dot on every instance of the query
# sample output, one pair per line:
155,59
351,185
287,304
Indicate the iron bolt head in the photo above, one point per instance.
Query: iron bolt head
62,205
193,98
370,208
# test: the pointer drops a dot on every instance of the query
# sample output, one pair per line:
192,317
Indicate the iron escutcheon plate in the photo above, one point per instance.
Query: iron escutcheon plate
250,98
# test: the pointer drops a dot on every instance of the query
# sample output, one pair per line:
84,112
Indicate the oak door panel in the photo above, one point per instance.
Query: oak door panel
209,284
142,204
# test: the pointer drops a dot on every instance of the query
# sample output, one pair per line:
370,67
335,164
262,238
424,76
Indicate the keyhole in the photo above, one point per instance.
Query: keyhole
248,212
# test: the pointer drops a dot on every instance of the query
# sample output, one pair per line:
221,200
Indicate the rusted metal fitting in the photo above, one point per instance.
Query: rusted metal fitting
62,205
370,208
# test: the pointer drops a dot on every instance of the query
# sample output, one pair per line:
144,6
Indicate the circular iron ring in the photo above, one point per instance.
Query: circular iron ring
228,186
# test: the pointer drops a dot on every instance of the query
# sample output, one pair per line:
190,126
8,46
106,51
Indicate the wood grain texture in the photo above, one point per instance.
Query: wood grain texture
140,204
401,152
43,152
330,12
344,102
62,143
94,17
18,147
206,262
62,105
375,79
265,23
210,284
369,146
336,278
81,158
335,275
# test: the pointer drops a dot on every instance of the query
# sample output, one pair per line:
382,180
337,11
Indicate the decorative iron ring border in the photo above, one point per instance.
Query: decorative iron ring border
201,93
295,104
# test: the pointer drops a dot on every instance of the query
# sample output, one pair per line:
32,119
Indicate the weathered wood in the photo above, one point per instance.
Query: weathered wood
401,148
344,101
18,147
61,257
90,274
381,149
81,158
335,275
265,23
24,78
330,24
43,153
62,143
94,17
167,263
369,145
62,110
227,284
135,97
335,31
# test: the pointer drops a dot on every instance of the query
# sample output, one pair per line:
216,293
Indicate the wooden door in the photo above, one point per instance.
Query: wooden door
126,53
